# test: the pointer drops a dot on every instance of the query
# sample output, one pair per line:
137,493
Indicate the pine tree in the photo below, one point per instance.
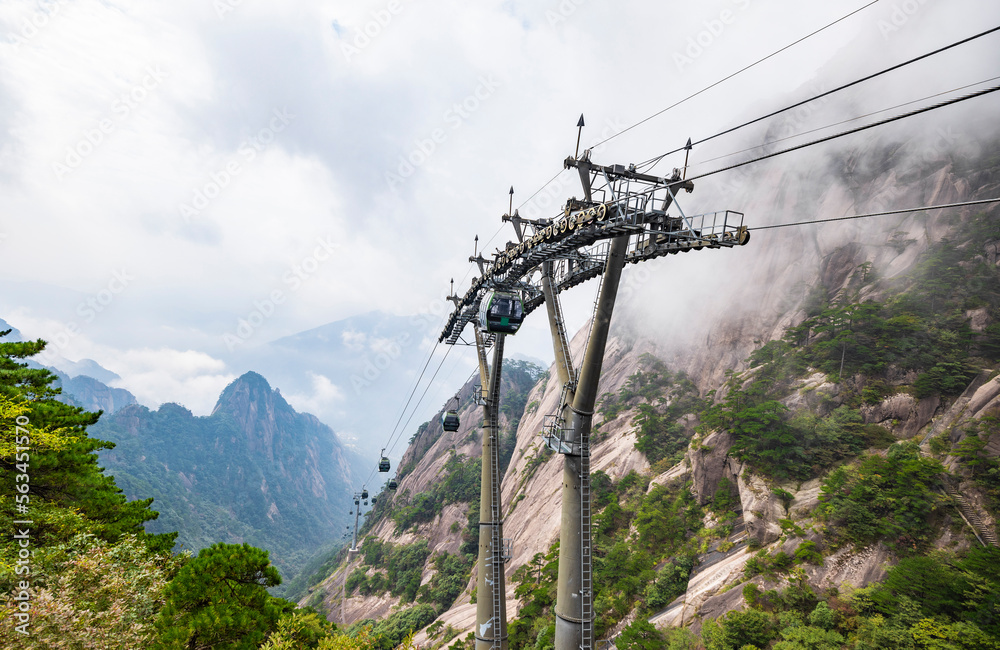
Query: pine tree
65,475
219,600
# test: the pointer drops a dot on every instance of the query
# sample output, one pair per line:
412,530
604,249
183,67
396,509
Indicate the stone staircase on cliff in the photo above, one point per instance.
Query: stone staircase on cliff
986,534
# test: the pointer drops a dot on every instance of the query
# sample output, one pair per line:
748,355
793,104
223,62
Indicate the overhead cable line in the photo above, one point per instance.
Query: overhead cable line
824,94
848,132
547,183
413,391
879,214
743,69
852,119
424,394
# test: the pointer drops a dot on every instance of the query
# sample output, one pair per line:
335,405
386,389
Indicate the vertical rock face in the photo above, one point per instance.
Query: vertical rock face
709,466
253,471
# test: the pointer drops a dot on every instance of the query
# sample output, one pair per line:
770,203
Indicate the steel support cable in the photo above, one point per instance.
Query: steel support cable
853,119
880,214
727,78
843,133
424,394
824,94
413,392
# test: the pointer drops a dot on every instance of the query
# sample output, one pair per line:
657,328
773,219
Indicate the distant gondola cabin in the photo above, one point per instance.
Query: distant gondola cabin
449,420
383,465
501,312
392,484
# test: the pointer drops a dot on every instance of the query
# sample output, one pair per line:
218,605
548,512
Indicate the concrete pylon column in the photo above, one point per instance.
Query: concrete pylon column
569,601
491,625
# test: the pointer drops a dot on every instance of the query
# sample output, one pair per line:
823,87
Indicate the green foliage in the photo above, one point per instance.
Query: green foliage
778,444
219,599
957,588
661,398
535,586
392,631
726,497
767,565
450,577
809,638
738,629
944,378
398,568
808,552
640,635
665,518
460,483
985,469
878,498
95,594
671,582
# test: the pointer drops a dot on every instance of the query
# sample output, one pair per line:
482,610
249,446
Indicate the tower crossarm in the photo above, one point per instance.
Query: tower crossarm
622,201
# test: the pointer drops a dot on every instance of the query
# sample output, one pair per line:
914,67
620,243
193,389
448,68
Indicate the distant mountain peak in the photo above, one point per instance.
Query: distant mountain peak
254,386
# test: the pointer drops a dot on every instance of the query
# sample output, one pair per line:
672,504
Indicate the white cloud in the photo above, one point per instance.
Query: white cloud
354,341
324,392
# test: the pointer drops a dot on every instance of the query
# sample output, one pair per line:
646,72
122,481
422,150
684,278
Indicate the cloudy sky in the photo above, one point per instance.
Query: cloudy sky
170,169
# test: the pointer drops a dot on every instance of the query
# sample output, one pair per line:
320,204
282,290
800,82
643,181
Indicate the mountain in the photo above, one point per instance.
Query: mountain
92,394
253,471
86,368
819,417
344,371
15,334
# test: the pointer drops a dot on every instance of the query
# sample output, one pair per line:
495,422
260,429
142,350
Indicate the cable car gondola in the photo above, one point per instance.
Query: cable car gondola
364,493
449,419
383,464
373,500
501,312
392,484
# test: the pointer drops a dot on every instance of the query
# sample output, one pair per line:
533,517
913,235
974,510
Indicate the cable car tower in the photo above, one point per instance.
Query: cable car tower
625,216
356,511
